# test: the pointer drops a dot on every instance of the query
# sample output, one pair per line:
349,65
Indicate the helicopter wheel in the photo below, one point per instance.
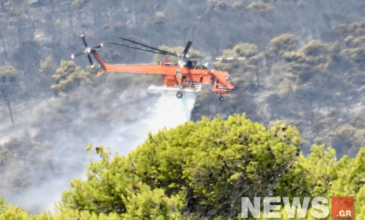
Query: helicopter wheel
179,95
221,98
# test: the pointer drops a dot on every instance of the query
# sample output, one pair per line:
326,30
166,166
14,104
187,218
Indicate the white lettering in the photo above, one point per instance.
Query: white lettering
342,213
302,210
273,210
268,207
316,205
348,213
247,205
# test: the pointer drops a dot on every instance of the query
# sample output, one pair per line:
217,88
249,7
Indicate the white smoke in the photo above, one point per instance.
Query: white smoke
167,111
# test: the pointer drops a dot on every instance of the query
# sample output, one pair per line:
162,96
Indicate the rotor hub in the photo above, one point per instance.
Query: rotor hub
88,50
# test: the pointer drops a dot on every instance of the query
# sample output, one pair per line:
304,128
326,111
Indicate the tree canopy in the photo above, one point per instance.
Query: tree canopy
68,76
9,87
201,170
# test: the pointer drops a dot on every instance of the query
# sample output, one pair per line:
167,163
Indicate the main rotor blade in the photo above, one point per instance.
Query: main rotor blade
190,42
99,46
145,45
142,49
73,56
83,39
90,60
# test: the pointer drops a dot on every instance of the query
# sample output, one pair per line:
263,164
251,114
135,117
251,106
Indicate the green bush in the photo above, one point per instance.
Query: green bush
285,88
201,170
78,4
241,50
260,7
220,6
158,20
68,77
358,121
246,50
281,44
238,5
8,72
310,60
206,164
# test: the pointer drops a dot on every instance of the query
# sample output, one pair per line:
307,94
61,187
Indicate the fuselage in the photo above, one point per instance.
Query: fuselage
176,76
188,77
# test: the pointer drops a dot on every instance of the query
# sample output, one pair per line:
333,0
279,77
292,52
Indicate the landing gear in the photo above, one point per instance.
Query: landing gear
179,95
221,99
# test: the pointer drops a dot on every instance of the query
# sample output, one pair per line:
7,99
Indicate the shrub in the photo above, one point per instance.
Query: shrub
207,164
78,4
238,5
260,7
281,44
220,6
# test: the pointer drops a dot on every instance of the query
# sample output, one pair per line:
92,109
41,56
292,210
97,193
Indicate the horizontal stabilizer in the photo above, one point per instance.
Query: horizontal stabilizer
101,71
167,88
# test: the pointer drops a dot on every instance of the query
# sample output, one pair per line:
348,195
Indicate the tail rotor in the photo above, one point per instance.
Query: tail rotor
87,50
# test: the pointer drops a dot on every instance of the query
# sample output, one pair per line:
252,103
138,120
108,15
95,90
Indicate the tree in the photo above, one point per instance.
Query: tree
243,61
69,76
46,70
201,170
320,174
9,86
311,60
242,50
260,7
278,46
210,165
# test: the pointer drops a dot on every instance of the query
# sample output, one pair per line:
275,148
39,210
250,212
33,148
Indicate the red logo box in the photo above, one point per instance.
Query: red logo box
342,207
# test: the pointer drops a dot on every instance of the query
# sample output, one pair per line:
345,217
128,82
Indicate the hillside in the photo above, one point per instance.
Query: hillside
301,62
201,170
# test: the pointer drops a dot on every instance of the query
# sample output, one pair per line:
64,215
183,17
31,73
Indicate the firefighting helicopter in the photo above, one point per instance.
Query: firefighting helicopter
183,76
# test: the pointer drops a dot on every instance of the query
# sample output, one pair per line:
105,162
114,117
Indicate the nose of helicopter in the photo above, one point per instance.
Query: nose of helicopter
231,86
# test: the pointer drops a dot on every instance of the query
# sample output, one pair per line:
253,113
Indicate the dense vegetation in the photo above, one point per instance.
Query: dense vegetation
201,170
57,127
293,60
317,86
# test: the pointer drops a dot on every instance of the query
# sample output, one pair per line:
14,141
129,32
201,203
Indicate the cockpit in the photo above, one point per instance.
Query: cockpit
228,79
195,65
185,63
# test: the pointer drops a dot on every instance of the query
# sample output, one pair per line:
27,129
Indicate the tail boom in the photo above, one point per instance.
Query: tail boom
168,88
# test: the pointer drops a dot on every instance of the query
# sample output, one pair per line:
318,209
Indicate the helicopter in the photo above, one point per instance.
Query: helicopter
182,76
